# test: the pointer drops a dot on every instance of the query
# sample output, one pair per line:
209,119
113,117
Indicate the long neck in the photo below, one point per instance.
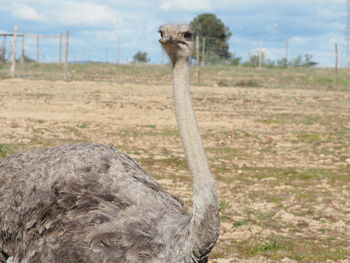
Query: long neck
205,222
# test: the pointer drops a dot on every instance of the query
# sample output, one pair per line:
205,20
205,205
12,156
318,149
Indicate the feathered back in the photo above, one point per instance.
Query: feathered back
87,203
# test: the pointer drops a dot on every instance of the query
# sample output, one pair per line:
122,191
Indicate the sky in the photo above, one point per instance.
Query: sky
310,26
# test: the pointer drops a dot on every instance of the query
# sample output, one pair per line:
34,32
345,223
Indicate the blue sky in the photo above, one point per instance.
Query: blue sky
310,26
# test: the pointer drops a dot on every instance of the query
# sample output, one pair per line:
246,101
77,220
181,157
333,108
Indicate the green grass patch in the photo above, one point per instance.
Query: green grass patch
289,175
83,125
258,216
151,126
278,247
250,83
343,134
312,121
175,162
221,75
223,150
224,218
7,149
274,122
309,137
224,178
240,223
148,132
274,247
223,205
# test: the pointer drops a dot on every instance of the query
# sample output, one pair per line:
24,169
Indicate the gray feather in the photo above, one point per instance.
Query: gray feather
87,203
90,203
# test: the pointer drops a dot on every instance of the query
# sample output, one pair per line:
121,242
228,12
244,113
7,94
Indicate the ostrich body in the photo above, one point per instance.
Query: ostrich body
91,203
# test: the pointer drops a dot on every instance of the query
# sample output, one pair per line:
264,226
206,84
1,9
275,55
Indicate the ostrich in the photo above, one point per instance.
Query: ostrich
91,203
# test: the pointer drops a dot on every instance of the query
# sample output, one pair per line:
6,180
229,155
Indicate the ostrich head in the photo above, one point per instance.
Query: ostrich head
177,41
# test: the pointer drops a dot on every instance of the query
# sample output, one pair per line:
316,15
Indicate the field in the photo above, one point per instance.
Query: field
278,143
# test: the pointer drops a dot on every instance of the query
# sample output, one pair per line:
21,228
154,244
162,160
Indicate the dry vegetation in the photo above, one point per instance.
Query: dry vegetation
278,142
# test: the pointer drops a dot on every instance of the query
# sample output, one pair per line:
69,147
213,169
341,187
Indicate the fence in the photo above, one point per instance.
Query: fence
7,49
211,51
56,48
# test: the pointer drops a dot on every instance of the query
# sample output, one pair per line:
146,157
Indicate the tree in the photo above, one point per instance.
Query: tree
308,61
283,62
5,52
27,59
297,62
2,55
253,61
216,35
305,61
140,57
235,61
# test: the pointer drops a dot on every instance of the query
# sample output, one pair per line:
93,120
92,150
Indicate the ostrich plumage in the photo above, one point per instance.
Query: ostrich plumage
90,202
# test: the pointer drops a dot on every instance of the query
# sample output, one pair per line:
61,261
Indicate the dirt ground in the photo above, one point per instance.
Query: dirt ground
281,156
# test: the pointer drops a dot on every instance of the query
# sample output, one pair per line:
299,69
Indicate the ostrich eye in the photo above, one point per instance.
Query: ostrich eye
187,35
161,33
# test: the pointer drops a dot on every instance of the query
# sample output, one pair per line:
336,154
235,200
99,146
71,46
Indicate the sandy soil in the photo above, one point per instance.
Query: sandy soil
281,156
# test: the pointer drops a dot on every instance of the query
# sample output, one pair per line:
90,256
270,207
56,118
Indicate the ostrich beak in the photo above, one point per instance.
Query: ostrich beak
166,40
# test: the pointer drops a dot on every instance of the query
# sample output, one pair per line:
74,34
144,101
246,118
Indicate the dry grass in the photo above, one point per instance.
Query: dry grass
278,143
214,75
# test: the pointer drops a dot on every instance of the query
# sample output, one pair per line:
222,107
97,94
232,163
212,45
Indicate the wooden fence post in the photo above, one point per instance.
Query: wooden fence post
261,54
118,51
286,55
336,65
336,59
203,51
60,49
197,59
37,49
161,55
66,57
3,53
22,50
14,53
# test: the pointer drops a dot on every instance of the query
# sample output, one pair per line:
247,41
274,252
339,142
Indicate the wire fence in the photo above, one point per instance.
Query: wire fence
212,51
19,47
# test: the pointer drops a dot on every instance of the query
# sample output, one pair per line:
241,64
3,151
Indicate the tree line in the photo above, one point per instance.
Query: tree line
253,61
209,27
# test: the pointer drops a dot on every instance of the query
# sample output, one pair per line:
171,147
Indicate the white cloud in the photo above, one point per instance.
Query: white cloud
97,36
68,13
83,14
300,41
27,13
185,5
328,14
94,24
